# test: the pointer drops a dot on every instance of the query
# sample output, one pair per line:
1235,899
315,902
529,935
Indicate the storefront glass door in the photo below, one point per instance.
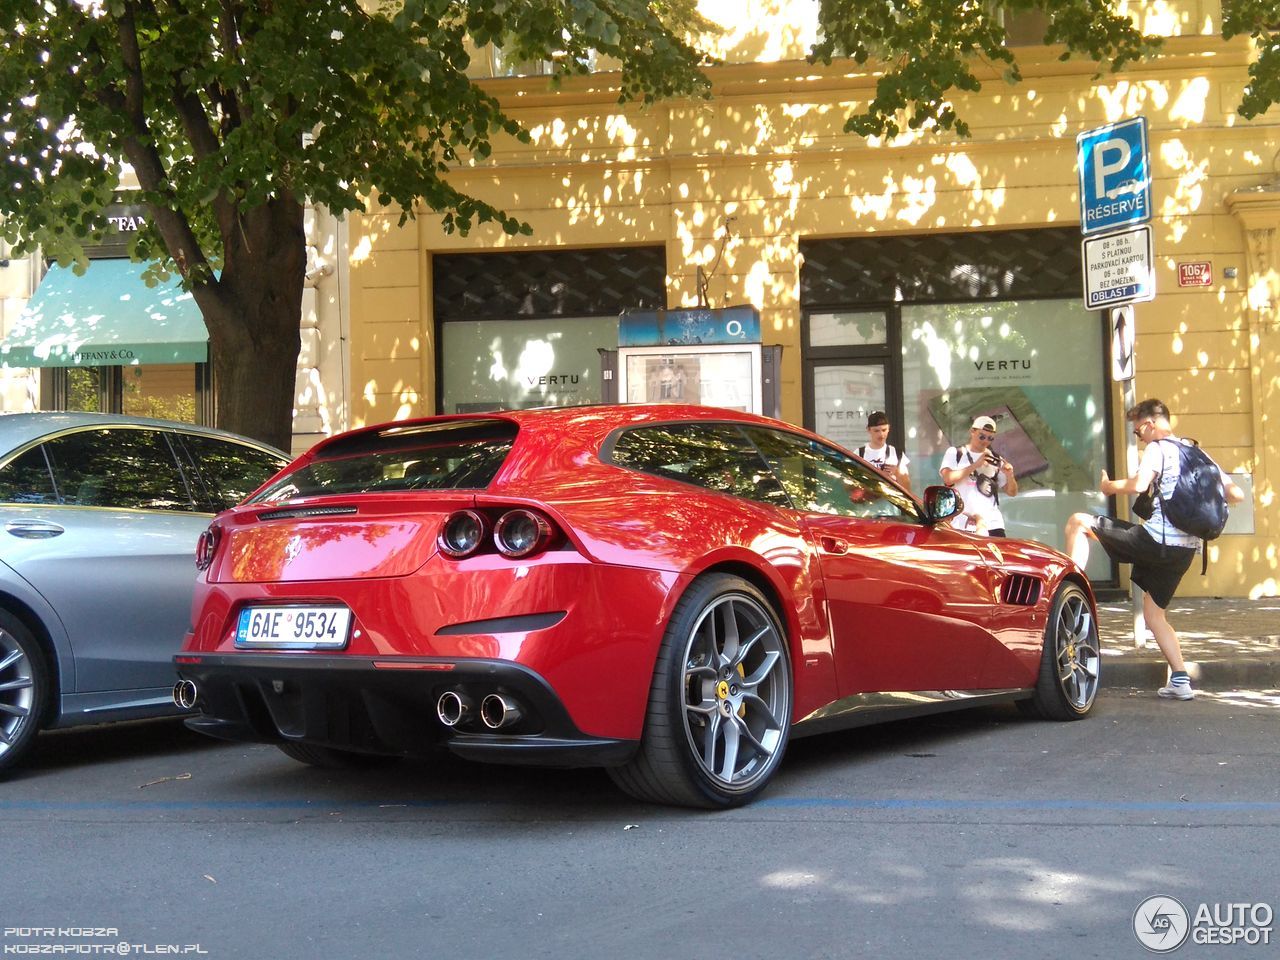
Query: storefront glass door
1037,367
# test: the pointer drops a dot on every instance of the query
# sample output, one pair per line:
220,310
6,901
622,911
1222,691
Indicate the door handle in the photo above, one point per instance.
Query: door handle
33,529
834,545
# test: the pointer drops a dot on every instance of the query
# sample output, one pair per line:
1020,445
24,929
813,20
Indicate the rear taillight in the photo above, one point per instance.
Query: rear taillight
461,534
207,546
520,533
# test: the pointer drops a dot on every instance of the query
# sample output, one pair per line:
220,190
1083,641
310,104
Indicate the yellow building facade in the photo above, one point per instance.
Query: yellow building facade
757,197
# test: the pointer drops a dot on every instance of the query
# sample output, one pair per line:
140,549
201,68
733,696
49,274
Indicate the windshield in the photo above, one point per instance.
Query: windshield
460,455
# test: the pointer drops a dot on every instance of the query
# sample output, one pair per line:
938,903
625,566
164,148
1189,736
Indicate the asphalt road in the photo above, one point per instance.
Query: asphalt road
969,835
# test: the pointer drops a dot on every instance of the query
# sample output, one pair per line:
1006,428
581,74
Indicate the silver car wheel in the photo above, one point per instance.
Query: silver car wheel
737,692
1076,652
17,691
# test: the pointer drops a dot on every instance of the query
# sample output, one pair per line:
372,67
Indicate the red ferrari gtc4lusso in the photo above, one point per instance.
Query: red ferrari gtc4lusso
667,591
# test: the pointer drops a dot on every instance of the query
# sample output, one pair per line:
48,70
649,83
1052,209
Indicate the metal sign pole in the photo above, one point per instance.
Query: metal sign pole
1130,396
1119,265
1121,320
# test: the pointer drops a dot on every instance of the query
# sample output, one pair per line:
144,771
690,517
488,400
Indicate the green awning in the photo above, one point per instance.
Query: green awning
107,317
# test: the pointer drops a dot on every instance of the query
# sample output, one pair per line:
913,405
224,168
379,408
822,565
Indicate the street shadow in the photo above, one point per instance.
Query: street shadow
445,787
57,750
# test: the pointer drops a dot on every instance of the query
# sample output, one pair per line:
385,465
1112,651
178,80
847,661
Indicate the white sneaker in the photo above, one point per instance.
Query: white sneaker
1176,691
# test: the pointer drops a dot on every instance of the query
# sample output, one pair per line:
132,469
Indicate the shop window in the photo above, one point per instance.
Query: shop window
505,65
164,391
85,387
847,328
526,329
1025,28
1037,368
516,364
181,391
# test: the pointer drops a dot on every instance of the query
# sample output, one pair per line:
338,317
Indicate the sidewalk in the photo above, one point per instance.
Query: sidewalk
1229,644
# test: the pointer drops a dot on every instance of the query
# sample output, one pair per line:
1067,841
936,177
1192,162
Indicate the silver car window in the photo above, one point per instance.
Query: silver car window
230,471
118,467
26,479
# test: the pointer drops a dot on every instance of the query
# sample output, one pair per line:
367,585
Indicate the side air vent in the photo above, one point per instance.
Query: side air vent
1021,590
306,512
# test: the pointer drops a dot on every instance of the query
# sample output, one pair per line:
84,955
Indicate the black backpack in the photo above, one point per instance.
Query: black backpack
1198,503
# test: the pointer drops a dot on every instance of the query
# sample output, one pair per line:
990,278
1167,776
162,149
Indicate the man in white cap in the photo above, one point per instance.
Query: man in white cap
980,477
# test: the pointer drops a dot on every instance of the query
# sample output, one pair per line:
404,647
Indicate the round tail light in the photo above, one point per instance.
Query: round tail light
461,534
521,532
206,547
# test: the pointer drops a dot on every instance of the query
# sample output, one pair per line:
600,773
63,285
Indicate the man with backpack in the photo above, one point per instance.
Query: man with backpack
980,476
881,454
1189,494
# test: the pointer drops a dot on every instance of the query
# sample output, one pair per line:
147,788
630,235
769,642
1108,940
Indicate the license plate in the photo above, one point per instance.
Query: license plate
294,628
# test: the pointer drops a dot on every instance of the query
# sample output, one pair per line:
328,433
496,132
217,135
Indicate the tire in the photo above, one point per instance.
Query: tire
328,758
1069,665
719,711
24,689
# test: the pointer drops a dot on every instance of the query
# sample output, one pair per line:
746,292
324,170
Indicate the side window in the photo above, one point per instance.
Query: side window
713,456
821,479
230,471
118,468
26,479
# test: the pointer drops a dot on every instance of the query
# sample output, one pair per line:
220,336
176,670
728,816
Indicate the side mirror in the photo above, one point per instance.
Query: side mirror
941,503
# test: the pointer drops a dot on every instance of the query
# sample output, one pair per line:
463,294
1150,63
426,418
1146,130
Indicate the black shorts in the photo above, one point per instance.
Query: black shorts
1157,568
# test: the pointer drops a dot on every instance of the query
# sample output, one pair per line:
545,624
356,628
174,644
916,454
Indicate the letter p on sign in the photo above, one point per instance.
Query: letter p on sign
1119,152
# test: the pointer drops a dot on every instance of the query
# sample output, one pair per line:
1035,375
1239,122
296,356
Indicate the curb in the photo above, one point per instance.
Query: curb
1146,673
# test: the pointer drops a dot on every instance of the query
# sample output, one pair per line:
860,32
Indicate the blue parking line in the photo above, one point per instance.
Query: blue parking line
776,803
79,806
952,806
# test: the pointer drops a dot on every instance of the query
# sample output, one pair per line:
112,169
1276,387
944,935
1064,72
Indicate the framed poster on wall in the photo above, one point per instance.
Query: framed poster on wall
726,376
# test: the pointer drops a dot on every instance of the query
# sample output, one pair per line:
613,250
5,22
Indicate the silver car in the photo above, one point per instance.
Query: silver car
99,519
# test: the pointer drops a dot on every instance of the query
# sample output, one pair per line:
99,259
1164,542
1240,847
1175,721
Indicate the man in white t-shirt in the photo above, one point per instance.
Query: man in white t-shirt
1159,552
882,455
981,478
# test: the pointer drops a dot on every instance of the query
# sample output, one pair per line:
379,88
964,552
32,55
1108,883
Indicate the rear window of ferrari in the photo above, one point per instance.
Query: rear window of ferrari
458,455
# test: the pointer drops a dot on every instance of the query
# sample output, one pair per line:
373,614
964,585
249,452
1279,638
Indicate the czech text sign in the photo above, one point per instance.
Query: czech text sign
1115,177
1118,268
1195,273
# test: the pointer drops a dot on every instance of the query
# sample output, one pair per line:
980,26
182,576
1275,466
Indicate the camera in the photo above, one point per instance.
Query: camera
995,459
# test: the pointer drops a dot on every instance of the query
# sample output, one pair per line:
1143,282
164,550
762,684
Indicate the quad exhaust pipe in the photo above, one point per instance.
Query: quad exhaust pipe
498,710
453,708
185,694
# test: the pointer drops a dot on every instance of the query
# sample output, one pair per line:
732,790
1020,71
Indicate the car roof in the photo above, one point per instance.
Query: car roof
18,429
596,420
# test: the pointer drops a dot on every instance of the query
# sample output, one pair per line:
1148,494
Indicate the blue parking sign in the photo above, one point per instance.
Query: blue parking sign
1115,176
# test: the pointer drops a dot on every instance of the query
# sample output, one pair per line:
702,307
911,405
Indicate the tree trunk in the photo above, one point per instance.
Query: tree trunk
253,312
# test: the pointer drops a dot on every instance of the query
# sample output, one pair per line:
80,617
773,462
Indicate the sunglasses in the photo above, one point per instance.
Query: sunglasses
986,436
1137,430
